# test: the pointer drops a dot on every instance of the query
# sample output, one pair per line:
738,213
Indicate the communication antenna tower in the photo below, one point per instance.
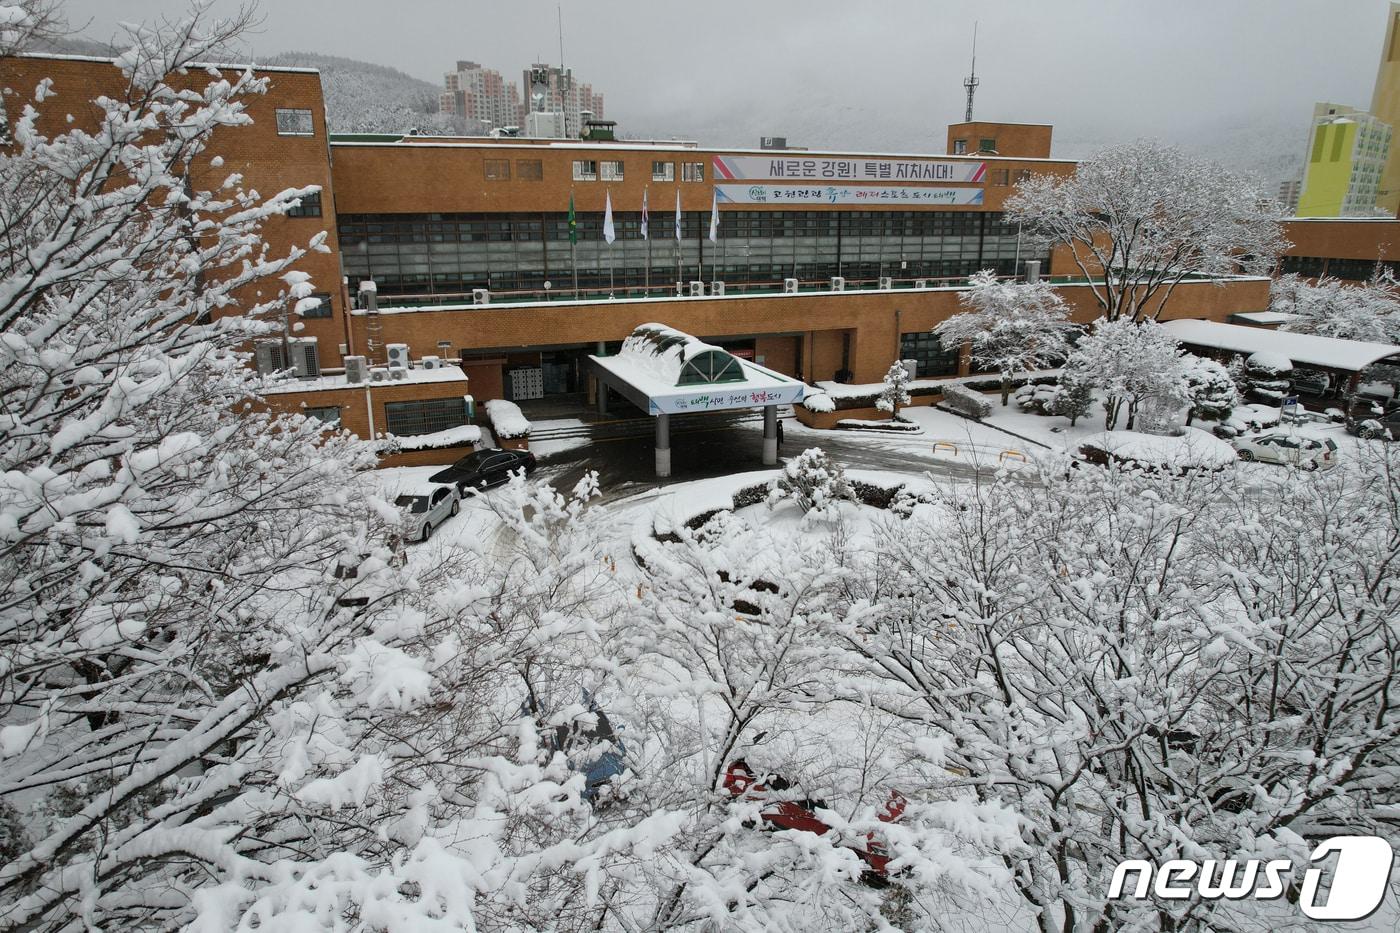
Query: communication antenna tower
971,82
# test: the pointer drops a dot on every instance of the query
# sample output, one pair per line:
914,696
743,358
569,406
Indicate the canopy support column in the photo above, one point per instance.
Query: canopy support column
770,435
663,445
600,388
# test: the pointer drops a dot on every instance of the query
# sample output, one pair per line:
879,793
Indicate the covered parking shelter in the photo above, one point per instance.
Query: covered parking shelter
664,372
1344,360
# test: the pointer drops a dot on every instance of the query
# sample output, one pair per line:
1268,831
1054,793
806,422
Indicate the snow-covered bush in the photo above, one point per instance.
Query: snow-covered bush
819,402
964,401
812,481
1267,375
1037,399
1210,389
1073,398
896,389
507,421
1010,327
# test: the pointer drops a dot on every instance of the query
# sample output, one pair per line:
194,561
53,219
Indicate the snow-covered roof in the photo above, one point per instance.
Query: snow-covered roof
1307,349
337,381
649,366
226,66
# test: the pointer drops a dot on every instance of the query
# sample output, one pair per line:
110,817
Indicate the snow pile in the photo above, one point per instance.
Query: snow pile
818,401
1192,450
1266,362
459,436
965,401
506,419
892,424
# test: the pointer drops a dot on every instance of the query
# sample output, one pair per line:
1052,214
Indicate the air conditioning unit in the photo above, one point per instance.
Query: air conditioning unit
398,354
431,362
697,289
398,373
921,283
886,283
356,369
481,296
789,286
838,283
716,288
379,374
267,356
305,357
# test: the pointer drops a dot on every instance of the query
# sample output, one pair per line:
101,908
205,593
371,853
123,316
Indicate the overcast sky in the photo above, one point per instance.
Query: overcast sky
1213,74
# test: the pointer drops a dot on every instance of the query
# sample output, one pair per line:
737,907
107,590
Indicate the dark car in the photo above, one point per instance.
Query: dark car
485,468
1371,418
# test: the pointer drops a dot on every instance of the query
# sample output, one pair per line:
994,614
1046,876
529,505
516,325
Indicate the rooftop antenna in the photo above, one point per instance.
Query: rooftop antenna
970,82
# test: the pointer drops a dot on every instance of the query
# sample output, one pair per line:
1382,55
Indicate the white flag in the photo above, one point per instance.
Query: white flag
714,217
644,214
678,215
608,233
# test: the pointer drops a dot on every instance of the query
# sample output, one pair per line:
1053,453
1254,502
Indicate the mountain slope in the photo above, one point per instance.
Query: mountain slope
366,98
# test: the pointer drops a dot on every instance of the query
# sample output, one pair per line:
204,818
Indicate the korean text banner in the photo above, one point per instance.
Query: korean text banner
845,194
738,168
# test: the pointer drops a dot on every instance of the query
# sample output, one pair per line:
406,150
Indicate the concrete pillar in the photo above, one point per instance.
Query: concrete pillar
770,435
600,388
663,445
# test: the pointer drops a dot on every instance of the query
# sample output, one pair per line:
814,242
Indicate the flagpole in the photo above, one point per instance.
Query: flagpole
573,242
680,276
646,235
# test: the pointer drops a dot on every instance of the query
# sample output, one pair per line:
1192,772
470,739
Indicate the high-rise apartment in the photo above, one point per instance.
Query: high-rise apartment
1385,106
481,95
1346,158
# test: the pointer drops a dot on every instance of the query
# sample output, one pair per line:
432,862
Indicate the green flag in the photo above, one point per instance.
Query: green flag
573,221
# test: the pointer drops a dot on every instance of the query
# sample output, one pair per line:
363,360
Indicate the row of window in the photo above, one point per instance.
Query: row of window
1352,270
295,122
615,170
356,229
424,416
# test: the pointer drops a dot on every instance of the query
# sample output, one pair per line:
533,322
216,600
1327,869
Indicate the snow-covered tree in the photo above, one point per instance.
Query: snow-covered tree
1139,218
1136,675
896,389
166,552
1331,308
1010,327
1073,399
1209,388
1128,362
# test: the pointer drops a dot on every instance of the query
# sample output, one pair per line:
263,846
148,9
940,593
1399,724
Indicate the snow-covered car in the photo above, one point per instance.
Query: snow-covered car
427,510
1372,419
1308,453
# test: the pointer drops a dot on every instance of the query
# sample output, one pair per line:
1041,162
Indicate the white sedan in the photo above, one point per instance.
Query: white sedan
425,511
1308,453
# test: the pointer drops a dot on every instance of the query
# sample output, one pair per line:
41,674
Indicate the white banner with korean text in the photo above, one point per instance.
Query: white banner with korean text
789,167
720,398
845,194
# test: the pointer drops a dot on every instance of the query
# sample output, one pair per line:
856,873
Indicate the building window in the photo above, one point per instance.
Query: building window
323,309
310,206
959,147
295,123
612,171
585,170
1001,177
663,171
426,416
330,414
987,145
932,357
692,171
529,169
498,169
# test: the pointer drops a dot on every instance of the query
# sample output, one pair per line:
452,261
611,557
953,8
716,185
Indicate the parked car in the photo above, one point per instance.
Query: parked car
1308,453
425,511
1371,418
485,468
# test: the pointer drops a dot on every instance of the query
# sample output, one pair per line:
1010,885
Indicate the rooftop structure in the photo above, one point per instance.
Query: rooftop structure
1308,349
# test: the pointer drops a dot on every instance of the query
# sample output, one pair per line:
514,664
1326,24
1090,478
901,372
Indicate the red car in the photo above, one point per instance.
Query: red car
740,781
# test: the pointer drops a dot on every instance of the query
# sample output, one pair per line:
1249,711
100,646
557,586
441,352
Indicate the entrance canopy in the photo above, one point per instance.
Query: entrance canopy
664,371
1305,349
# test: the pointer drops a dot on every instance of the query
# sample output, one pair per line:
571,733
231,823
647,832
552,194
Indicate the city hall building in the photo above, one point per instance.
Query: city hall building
488,256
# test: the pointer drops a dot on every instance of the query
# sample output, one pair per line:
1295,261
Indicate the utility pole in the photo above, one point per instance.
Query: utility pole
971,82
